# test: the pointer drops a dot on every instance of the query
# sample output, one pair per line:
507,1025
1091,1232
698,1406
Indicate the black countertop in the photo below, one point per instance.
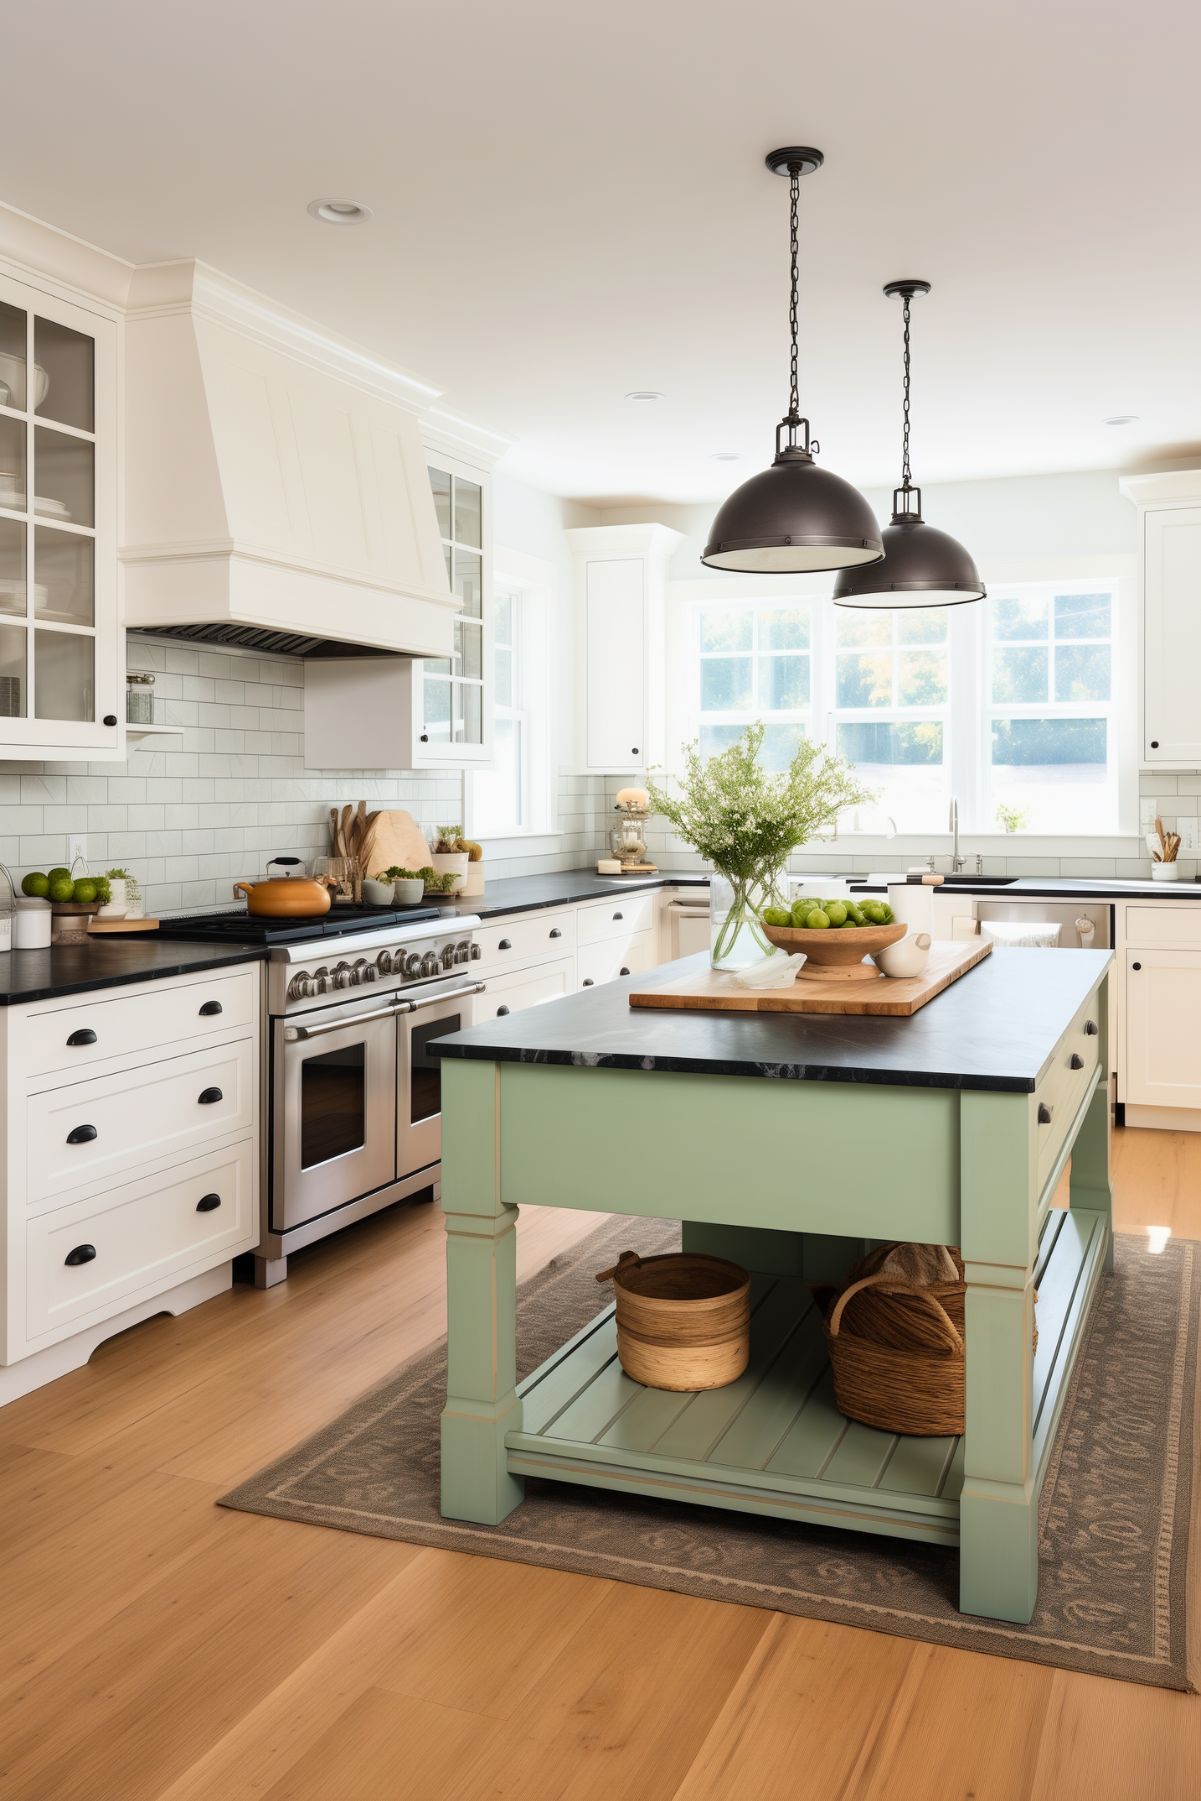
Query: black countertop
527,893
996,1028
110,961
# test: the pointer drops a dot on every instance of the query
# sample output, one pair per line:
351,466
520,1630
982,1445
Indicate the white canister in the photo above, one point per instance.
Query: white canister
1165,872
912,905
31,923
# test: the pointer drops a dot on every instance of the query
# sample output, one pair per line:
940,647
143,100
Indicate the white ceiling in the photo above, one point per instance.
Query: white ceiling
570,202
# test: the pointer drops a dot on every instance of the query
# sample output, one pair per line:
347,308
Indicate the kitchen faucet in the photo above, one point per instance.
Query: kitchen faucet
957,862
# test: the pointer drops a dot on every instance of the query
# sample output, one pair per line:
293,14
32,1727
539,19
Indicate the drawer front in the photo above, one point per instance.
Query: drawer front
88,1132
538,938
91,1256
621,917
525,988
1061,1090
93,1028
608,961
1177,926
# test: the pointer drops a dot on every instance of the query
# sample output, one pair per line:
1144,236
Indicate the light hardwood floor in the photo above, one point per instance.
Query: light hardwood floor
154,1647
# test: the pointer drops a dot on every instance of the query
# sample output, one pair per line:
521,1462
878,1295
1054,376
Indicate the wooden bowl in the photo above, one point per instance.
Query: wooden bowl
837,953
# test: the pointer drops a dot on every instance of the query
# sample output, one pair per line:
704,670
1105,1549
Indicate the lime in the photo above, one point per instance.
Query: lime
58,875
888,914
85,891
62,889
874,911
35,884
836,912
818,920
777,916
799,910
854,913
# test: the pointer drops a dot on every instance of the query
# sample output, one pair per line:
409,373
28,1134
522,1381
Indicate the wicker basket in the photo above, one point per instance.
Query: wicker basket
683,1320
897,1350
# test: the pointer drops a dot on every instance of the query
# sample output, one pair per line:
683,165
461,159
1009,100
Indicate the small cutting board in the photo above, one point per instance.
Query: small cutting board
392,838
895,997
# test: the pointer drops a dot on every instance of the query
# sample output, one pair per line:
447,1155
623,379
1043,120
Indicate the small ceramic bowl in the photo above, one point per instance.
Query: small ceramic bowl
378,893
906,958
409,894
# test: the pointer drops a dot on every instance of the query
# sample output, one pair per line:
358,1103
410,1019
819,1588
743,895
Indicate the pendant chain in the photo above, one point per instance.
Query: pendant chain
906,484
794,412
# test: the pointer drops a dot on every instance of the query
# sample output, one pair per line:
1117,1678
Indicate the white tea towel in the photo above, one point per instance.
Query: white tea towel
773,972
1039,933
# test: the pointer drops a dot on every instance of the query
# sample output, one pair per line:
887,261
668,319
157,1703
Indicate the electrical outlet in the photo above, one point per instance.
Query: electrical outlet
77,846
1146,815
1189,828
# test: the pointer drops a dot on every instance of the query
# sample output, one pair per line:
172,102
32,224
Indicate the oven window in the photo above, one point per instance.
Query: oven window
425,1087
333,1104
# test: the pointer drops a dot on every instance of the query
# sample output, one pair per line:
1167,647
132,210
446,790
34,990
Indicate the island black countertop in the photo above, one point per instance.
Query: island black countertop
995,1029
110,961
528,893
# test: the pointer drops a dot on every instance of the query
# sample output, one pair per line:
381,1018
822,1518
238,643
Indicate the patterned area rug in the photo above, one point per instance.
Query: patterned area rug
1115,1505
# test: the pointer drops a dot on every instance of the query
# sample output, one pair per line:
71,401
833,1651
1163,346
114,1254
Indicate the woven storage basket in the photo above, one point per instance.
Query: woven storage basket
683,1320
896,1350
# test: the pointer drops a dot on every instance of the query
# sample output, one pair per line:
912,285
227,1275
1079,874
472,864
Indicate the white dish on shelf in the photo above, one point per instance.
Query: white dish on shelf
53,509
12,374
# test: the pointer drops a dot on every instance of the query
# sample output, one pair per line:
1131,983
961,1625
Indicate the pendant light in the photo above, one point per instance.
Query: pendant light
794,516
921,566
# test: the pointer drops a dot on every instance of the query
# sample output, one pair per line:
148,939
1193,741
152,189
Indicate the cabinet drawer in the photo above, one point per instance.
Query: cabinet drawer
538,938
114,1025
142,1236
618,918
88,1132
1062,1088
525,988
606,962
1176,926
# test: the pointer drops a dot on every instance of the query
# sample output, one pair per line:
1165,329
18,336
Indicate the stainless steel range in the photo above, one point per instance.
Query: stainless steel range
353,1095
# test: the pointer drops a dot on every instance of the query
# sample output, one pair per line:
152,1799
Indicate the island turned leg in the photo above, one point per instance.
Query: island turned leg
998,1505
481,1296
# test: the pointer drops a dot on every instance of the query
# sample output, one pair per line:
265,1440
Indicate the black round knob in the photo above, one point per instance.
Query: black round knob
83,1036
208,1203
425,737
110,719
1155,744
83,1253
634,751
1136,966
587,982
501,1011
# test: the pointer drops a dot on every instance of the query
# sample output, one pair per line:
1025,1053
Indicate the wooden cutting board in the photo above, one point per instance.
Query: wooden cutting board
392,837
894,997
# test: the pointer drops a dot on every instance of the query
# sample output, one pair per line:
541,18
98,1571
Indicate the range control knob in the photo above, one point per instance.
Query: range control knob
476,952
430,965
448,956
386,963
299,988
412,964
343,975
363,971
321,982
462,950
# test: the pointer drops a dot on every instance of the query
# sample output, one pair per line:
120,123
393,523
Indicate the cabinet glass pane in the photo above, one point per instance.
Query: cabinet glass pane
12,464
437,710
63,576
64,377
12,357
468,583
440,483
468,709
63,675
469,648
469,513
13,639
64,478
12,566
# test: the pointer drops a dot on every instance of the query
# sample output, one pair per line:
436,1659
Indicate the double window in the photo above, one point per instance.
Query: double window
1009,705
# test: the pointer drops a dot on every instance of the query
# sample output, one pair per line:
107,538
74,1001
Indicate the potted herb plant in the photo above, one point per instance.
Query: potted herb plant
746,821
449,855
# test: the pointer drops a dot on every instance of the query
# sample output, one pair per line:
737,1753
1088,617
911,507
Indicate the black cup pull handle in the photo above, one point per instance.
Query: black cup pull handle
555,932
1076,1061
587,982
619,916
84,1035
1044,1113
501,1011
211,1008
208,1203
1090,1028
624,971
82,1135
504,945
83,1253
208,1096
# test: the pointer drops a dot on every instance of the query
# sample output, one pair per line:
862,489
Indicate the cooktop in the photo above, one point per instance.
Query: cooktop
239,927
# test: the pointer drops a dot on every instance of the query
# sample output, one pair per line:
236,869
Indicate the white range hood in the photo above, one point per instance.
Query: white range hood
276,488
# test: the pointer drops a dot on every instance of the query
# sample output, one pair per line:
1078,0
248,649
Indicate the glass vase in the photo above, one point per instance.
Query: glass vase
736,935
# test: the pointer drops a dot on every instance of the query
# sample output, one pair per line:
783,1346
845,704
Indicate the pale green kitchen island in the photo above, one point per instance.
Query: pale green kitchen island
788,1143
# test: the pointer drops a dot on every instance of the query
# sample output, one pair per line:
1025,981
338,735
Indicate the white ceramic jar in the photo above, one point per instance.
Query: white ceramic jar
31,923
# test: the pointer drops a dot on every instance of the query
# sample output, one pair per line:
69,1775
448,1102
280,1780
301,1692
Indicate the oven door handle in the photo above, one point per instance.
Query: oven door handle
293,1034
438,1000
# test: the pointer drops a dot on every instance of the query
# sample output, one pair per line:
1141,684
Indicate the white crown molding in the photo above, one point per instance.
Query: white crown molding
446,434
594,542
1172,488
32,251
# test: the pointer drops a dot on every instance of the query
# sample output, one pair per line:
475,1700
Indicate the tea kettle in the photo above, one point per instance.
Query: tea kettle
288,896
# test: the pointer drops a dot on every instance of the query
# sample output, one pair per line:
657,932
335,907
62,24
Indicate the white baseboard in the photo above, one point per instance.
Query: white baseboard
1164,1119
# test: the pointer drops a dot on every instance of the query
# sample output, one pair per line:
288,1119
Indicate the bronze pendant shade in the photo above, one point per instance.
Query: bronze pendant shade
921,566
793,517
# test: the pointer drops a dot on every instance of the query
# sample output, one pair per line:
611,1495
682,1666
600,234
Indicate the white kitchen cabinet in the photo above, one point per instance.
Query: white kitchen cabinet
621,644
1170,603
523,988
612,958
61,675
1163,1046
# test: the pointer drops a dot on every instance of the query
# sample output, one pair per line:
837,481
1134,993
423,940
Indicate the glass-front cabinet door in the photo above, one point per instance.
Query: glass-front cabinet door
59,637
454,705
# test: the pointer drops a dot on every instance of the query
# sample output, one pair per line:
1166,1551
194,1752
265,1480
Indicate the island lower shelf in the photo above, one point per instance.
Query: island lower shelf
774,1442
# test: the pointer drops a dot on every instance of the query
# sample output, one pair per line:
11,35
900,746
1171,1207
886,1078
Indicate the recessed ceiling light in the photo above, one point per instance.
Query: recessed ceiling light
644,396
339,212
726,456
1121,419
